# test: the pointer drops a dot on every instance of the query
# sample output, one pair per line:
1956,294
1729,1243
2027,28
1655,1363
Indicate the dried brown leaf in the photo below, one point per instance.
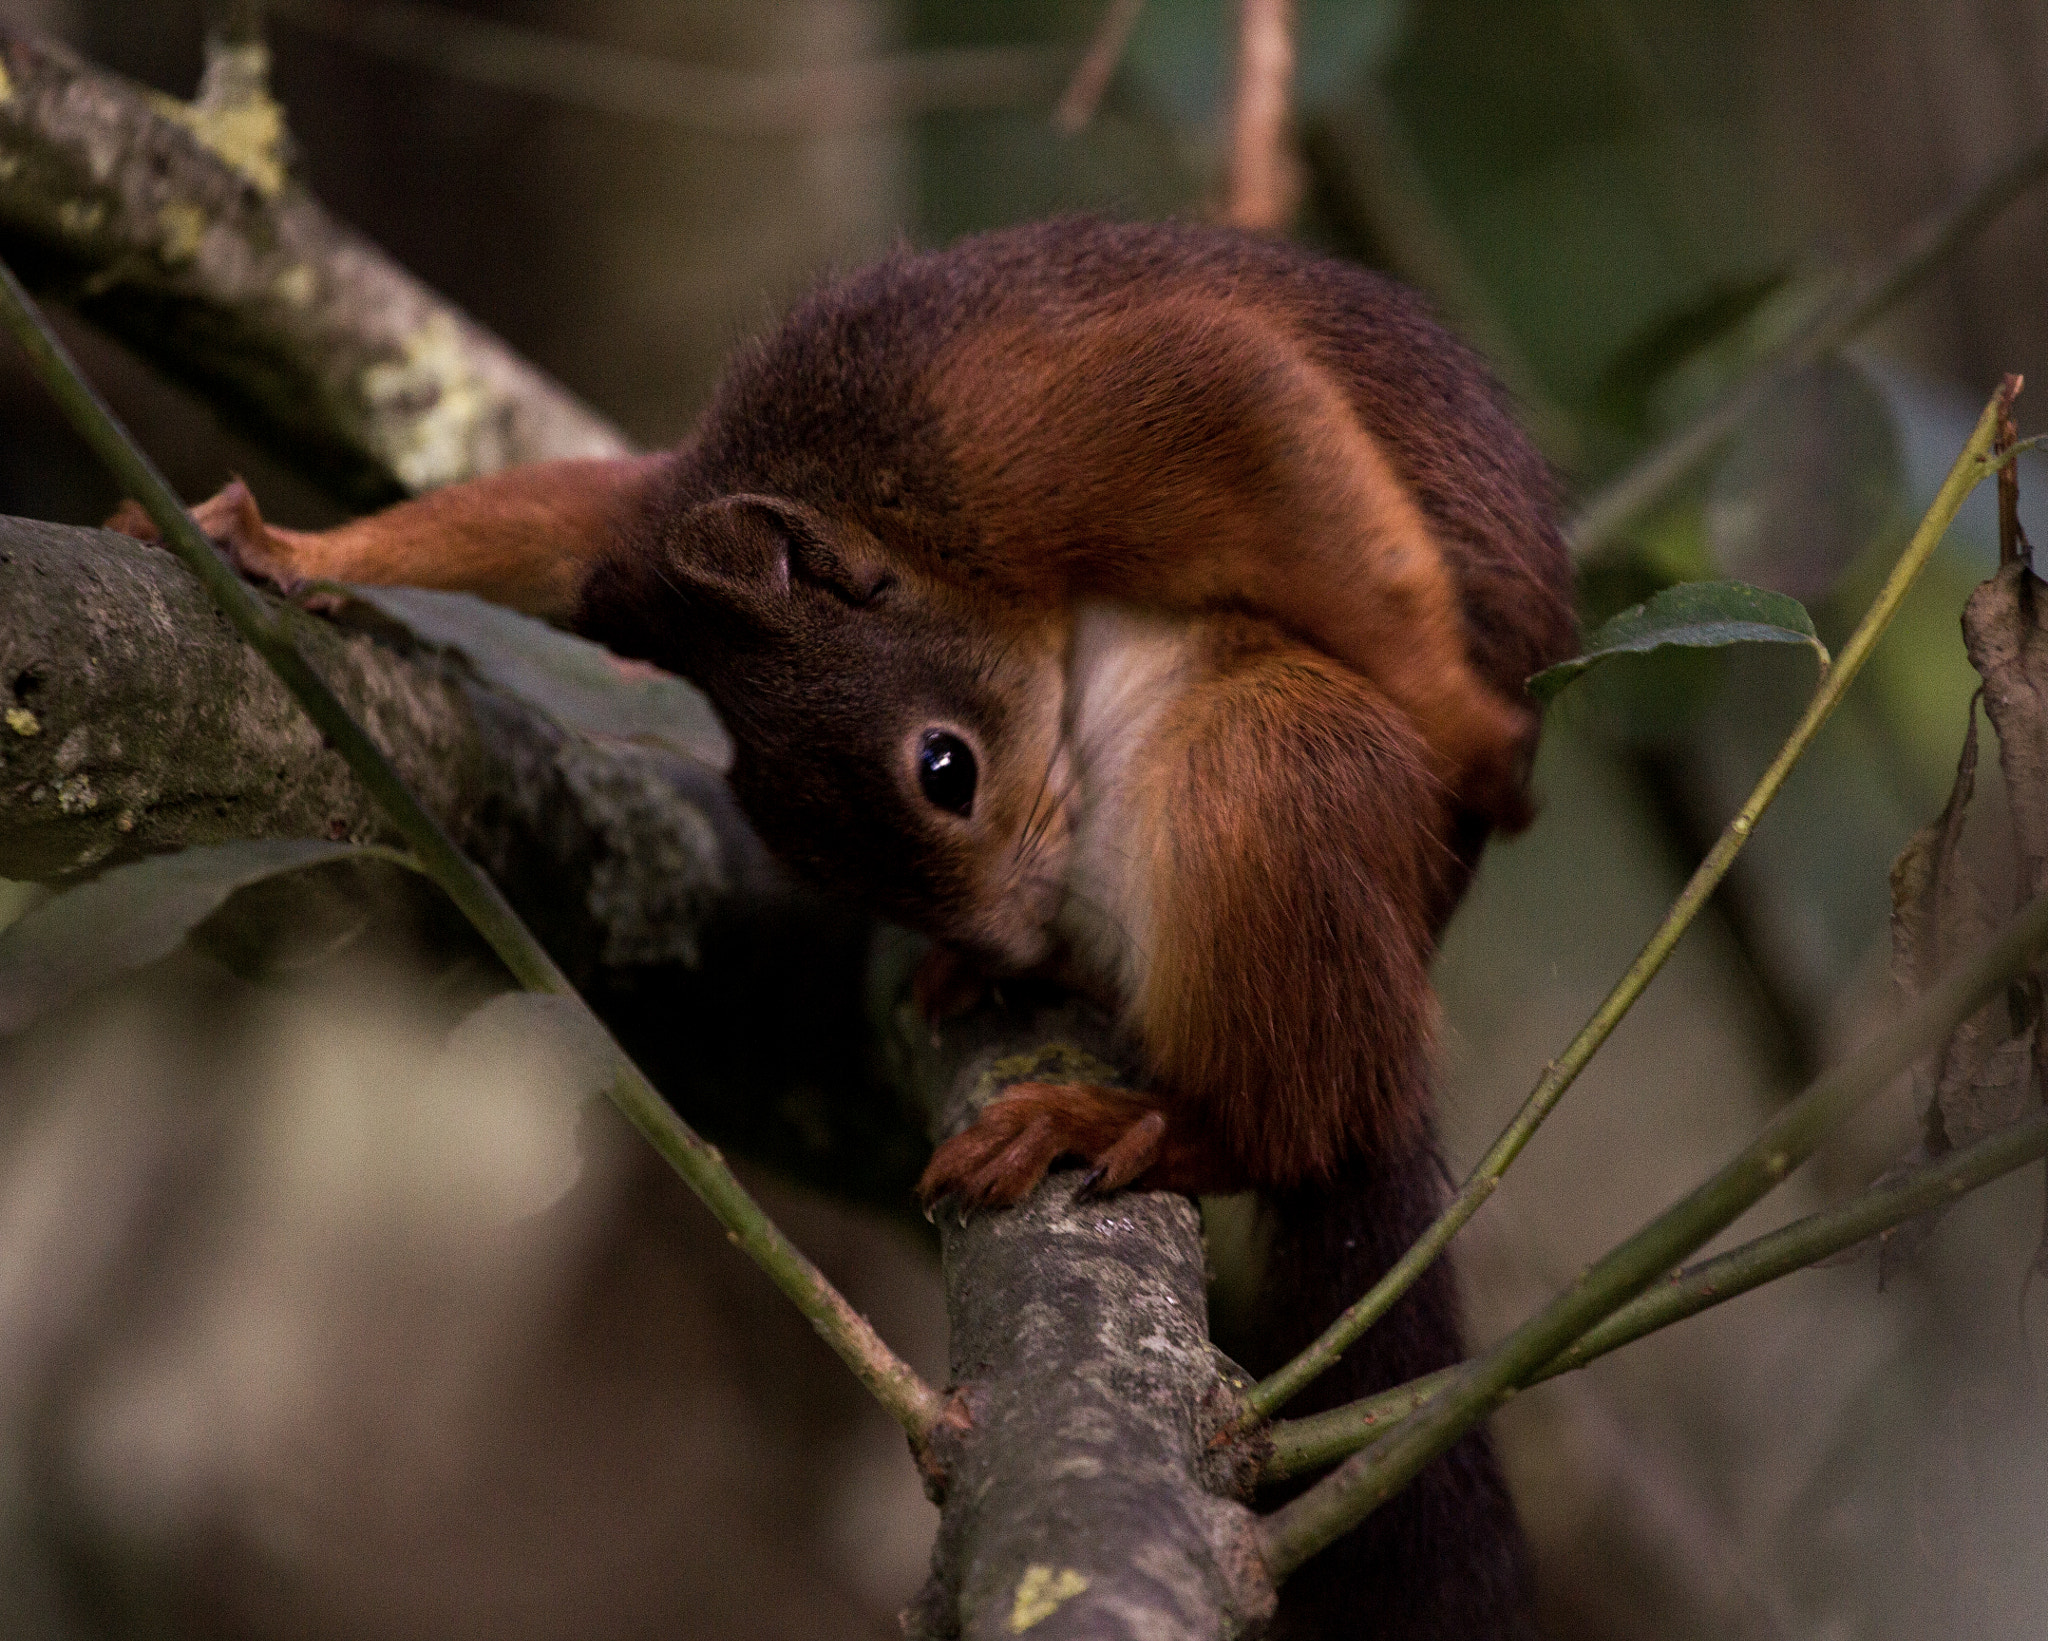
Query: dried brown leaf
2002,632
1939,914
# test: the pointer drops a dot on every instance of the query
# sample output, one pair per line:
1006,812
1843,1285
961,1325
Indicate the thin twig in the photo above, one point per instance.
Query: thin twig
893,1382
1918,253
1264,181
1077,105
1301,1445
698,97
1970,467
1349,1494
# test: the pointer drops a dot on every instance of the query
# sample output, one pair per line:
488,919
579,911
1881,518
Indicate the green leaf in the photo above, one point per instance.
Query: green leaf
130,916
582,686
1693,615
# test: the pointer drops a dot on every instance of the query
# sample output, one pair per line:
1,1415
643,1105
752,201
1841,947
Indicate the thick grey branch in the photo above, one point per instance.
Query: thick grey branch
1081,1495
180,228
133,720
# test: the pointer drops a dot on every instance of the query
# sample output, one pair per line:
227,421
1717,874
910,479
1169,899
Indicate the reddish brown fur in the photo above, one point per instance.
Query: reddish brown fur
1177,418
884,520
1288,1003
1257,488
1183,418
528,537
1297,875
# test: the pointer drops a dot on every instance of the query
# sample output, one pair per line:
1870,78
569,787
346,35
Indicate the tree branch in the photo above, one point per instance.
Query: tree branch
1863,298
138,722
1098,66
1337,1503
1082,1492
179,228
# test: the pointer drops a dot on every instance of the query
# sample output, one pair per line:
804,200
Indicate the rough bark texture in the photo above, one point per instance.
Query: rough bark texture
1080,1494
1080,1491
133,720
179,228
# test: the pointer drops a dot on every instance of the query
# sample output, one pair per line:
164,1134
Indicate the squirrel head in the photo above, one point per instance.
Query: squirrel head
894,737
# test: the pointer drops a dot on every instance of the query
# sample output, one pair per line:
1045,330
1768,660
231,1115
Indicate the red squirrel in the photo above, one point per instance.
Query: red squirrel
1144,604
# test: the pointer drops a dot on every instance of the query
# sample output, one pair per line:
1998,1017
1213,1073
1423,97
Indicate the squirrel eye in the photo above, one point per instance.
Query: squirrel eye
945,771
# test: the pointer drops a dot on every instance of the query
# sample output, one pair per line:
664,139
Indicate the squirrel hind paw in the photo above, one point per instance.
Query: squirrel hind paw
1028,1127
231,520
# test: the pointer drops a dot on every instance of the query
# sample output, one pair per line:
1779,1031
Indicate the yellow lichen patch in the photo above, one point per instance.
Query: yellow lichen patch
9,164
1054,1062
1040,1593
6,86
236,118
23,722
183,227
436,403
294,285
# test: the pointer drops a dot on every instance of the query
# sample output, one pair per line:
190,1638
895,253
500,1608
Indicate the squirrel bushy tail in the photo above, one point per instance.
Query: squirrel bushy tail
1445,1559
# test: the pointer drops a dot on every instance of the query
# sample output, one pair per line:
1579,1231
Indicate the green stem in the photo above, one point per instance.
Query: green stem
1341,1500
1924,248
267,627
1301,1445
1271,1393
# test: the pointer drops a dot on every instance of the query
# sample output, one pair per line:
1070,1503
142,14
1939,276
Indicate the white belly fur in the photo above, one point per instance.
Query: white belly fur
1127,667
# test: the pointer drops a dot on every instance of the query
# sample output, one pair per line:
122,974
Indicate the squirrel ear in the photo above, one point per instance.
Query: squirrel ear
773,543
738,547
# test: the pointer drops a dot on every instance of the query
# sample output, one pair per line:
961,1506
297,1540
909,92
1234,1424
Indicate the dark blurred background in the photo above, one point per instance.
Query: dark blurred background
284,1355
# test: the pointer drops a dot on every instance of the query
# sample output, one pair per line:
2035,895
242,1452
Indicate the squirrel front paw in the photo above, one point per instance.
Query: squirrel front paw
1029,1126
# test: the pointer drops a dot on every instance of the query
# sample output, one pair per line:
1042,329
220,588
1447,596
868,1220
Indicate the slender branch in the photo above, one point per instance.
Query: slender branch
1264,181
1301,1445
1970,467
892,1381
726,102
1349,1494
1918,253
1084,91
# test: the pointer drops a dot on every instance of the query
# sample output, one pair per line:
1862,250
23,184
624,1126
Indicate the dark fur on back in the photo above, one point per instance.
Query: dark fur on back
840,404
